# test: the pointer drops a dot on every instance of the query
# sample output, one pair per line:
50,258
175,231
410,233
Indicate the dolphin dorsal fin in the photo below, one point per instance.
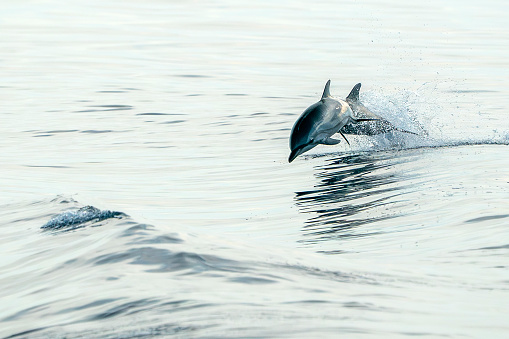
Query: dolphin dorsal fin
354,93
326,92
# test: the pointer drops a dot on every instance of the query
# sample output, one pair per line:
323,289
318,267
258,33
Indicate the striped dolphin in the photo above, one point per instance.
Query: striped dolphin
373,124
319,122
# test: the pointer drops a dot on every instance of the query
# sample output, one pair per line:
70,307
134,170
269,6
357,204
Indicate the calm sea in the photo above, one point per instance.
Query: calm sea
146,192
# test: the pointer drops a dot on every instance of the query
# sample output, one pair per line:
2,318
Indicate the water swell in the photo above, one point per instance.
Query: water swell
137,280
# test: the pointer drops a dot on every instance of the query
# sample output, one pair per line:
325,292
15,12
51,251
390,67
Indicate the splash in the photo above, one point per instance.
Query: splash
439,118
75,219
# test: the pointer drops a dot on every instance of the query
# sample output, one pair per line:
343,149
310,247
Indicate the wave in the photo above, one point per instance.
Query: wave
131,280
134,280
78,218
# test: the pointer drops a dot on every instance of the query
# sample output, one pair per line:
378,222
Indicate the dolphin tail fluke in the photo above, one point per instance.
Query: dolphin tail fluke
354,93
326,91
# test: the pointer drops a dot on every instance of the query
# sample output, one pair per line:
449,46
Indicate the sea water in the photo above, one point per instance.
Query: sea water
145,188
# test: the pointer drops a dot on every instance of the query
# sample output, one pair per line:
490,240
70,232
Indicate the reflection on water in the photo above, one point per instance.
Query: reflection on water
352,191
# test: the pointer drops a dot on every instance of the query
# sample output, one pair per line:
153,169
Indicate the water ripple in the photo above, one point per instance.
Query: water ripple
348,188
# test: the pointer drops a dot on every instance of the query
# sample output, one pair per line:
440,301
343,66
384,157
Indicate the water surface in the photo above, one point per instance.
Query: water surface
146,190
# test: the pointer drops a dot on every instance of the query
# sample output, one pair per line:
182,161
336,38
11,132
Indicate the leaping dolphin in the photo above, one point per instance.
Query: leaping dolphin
377,125
319,122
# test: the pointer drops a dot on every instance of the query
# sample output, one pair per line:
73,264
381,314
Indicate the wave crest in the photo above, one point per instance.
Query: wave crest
79,217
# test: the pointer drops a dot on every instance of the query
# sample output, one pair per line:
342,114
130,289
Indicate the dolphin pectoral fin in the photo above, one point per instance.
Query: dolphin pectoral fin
344,138
331,141
326,91
354,93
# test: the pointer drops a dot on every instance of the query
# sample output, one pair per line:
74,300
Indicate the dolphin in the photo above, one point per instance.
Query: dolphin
319,122
373,124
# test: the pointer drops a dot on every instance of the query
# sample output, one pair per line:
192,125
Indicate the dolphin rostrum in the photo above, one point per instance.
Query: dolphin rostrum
377,125
319,122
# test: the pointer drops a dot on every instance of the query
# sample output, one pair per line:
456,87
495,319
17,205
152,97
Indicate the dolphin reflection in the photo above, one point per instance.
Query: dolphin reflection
352,191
